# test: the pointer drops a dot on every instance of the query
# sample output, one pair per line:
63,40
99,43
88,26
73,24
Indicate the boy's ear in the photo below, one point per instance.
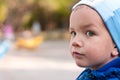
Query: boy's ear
114,52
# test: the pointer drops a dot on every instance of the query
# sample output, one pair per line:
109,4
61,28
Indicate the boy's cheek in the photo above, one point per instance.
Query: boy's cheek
70,48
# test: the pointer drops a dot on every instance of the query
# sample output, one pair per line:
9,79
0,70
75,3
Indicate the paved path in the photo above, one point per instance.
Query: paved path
50,61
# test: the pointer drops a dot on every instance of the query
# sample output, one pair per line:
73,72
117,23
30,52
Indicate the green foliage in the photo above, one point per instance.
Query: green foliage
3,11
52,14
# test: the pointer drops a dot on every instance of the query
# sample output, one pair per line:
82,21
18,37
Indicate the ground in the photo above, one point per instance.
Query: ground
50,61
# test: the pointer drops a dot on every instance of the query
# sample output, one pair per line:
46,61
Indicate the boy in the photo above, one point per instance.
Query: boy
95,38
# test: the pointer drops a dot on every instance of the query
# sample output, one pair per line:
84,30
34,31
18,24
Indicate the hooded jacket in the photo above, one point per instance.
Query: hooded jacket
110,71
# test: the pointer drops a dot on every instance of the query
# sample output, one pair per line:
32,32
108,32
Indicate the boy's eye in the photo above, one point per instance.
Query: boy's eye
73,33
90,33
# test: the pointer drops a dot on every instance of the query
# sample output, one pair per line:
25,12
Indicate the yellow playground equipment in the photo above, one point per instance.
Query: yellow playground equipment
29,43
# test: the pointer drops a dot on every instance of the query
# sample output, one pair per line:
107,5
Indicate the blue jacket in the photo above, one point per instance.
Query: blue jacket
110,71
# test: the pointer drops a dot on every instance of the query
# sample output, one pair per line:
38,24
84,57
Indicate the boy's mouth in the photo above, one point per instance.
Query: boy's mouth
77,54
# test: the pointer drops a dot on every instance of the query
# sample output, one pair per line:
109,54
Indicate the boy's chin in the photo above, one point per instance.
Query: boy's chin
81,65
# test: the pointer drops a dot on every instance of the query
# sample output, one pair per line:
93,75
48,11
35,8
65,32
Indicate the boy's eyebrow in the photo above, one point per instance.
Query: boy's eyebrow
90,26
71,29
84,26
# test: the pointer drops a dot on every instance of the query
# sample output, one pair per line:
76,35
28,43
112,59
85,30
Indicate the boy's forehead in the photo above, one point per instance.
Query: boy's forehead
81,7
85,11
85,16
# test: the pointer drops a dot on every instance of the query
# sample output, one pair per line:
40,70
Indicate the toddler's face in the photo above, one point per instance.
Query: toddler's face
90,44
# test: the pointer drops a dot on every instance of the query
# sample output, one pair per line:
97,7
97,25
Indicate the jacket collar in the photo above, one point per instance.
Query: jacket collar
114,64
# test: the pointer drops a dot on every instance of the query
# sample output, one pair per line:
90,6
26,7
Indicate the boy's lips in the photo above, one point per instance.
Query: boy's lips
77,54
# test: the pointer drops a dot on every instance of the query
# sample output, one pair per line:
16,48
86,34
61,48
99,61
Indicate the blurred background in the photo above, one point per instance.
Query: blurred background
34,40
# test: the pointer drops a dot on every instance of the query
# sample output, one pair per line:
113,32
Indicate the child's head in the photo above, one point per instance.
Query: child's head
91,21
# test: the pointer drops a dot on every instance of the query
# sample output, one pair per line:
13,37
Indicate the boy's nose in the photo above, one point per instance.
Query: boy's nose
76,42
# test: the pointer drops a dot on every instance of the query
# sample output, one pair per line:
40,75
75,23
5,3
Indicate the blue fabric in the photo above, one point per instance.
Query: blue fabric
109,10
110,71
